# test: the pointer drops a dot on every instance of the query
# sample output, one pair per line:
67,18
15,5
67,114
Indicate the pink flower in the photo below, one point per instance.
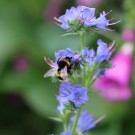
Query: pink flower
20,63
114,85
53,9
89,2
128,35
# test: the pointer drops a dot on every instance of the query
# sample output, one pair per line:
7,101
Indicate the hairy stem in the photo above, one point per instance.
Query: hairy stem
76,121
65,126
82,40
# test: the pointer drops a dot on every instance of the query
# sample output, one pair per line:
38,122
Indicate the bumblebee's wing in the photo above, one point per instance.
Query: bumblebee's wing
51,72
49,62
64,74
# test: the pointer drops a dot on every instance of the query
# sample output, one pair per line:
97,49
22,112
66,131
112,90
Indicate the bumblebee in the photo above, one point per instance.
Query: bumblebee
64,68
61,68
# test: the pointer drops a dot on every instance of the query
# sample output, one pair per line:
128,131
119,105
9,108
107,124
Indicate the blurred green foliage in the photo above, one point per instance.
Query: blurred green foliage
26,98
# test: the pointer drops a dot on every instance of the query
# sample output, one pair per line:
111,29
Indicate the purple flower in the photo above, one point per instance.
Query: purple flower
102,22
86,121
65,91
20,63
53,9
72,94
64,53
115,83
84,17
103,52
70,15
89,55
87,16
89,2
66,133
61,54
128,35
78,95
60,108
93,58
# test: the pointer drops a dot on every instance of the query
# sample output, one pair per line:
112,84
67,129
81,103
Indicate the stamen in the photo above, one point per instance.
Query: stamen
49,62
114,23
110,30
111,46
100,119
109,12
111,19
57,21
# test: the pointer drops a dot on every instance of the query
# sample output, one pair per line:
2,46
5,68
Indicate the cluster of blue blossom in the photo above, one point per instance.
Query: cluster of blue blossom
76,95
102,54
61,54
81,16
69,59
85,122
88,63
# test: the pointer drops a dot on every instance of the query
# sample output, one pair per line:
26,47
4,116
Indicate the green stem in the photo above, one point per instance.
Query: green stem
82,40
76,121
65,126
82,47
83,81
65,119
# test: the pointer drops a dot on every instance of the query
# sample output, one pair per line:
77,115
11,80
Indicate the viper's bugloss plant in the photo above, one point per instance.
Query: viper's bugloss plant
77,70
80,17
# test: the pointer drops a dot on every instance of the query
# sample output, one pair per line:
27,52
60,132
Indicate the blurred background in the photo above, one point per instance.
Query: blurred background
28,34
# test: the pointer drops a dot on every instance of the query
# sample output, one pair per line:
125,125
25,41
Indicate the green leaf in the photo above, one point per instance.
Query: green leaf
55,119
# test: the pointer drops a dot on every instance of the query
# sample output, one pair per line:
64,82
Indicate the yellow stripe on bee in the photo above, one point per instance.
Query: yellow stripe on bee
57,73
67,62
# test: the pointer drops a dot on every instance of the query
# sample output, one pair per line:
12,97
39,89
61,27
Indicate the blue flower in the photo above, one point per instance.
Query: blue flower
78,95
98,60
89,55
60,107
64,93
86,121
70,15
103,52
61,54
72,94
85,17
66,133
64,53
102,22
